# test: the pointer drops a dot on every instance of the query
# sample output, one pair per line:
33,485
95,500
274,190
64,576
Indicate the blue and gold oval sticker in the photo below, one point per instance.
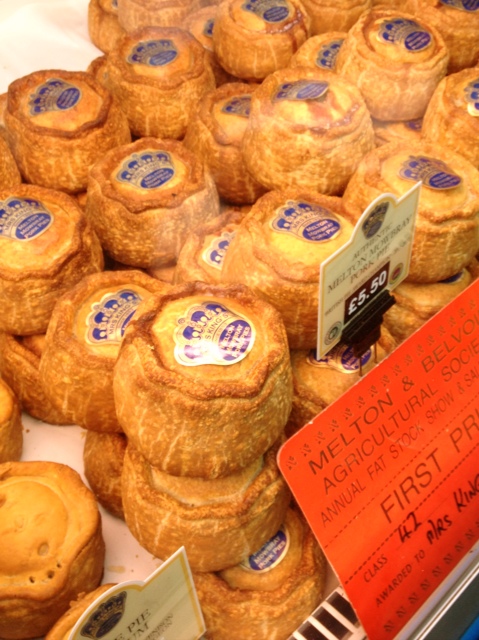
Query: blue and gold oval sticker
433,173
109,318
23,219
405,33
272,11
472,97
210,333
147,170
153,53
54,95
307,221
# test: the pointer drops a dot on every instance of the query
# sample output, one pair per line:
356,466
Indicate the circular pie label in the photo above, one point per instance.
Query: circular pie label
214,254
327,54
462,5
109,318
341,358
406,33
309,222
452,279
210,333
472,97
270,555
23,219
238,106
147,170
414,125
272,11
54,95
301,90
433,173
153,53
208,28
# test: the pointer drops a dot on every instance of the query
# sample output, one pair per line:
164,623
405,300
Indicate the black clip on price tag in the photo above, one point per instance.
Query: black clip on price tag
365,330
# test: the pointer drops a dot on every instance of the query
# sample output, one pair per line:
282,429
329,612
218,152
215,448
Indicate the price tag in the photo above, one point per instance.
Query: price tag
377,257
388,475
164,607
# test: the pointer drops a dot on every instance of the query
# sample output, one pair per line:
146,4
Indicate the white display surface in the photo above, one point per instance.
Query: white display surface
43,34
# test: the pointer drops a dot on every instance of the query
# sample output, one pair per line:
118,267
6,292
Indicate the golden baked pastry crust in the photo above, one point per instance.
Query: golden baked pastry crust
452,115
11,427
319,51
65,624
416,303
408,130
458,25
200,22
46,246
335,15
193,408
201,257
215,135
158,76
103,26
251,41
136,14
19,364
396,74
56,555
9,173
311,135
260,613
446,233
277,251
145,198
217,528
82,343
318,384
58,124
103,463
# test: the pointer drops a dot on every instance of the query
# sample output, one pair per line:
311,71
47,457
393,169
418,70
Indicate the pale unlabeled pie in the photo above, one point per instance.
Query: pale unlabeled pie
58,124
52,545
202,383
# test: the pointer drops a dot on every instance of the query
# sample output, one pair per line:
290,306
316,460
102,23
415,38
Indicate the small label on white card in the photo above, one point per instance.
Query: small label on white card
376,258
